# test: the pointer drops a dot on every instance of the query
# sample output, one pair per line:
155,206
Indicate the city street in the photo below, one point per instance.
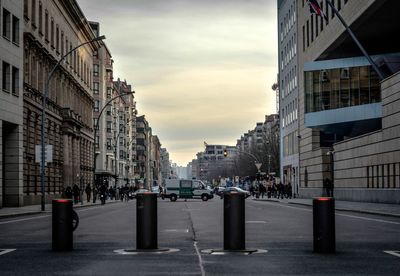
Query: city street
284,230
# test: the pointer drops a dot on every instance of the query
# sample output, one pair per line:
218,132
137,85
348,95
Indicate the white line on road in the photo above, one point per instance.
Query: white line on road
203,272
25,219
371,219
5,251
394,253
177,230
343,215
256,221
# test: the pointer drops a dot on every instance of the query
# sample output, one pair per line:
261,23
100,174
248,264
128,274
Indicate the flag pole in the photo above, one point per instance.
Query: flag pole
373,64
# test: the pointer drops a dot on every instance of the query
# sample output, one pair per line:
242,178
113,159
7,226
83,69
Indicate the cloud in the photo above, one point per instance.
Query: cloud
202,70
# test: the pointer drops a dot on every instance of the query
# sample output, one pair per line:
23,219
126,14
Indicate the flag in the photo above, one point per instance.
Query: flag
315,8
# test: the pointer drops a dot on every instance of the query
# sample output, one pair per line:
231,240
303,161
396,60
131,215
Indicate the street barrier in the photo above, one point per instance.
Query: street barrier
324,225
234,221
62,225
146,221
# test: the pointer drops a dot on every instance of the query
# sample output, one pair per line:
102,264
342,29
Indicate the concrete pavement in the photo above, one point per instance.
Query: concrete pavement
382,209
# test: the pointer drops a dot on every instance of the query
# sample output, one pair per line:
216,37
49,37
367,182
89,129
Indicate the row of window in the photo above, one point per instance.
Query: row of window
341,87
383,176
291,144
10,78
40,18
288,22
10,27
288,52
289,114
289,82
316,23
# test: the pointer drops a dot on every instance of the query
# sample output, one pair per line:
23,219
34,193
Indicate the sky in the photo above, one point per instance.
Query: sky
202,70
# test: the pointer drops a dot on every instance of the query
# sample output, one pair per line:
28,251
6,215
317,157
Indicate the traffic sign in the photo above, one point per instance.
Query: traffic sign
48,150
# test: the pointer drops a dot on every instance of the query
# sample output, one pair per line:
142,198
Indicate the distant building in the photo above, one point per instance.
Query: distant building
288,91
165,165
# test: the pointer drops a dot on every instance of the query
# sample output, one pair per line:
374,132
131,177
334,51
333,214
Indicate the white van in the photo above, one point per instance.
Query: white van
187,188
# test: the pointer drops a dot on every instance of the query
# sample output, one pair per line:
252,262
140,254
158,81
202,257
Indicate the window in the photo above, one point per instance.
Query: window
33,17
46,26
15,30
96,106
109,126
26,9
40,18
6,24
96,70
57,38
6,76
15,81
52,32
62,43
96,88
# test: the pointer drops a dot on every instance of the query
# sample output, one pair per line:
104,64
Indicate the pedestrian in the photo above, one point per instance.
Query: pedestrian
88,191
68,192
328,185
76,193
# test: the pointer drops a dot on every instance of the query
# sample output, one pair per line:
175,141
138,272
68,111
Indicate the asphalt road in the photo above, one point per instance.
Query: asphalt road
283,230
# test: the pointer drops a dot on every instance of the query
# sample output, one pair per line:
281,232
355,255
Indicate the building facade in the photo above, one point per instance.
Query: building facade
348,115
51,30
11,103
142,150
165,165
288,92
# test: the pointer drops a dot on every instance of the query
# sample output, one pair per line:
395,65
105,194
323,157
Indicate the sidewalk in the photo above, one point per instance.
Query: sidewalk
381,209
8,212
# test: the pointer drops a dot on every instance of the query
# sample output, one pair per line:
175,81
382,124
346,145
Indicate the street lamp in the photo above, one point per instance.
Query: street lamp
44,102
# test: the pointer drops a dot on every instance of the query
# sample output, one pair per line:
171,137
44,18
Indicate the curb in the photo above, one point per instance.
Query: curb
353,210
28,213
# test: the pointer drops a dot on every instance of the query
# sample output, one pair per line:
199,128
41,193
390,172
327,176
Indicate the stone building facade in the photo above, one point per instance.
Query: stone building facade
52,28
349,132
11,103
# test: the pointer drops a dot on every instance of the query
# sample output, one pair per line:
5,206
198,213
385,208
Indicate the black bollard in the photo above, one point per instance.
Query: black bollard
324,225
146,221
62,225
234,223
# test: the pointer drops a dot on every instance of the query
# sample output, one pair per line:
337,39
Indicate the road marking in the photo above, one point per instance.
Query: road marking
5,251
371,219
203,272
256,221
343,215
394,253
25,219
177,230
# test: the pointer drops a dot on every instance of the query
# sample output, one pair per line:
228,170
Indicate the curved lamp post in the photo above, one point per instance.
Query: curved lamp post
44,103
96,126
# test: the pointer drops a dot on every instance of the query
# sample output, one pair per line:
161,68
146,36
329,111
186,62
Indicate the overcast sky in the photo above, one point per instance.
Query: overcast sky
202,69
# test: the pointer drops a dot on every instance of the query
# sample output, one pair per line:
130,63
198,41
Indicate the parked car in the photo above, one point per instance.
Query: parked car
233,189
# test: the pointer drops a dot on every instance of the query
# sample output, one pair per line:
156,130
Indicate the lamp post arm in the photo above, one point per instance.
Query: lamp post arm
249,154
44,102
96,127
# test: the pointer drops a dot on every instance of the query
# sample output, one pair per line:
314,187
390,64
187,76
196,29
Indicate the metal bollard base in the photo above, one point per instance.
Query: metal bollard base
145,251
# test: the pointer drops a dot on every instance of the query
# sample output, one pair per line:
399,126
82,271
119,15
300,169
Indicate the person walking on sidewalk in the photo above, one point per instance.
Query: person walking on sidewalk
88,191
76,192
